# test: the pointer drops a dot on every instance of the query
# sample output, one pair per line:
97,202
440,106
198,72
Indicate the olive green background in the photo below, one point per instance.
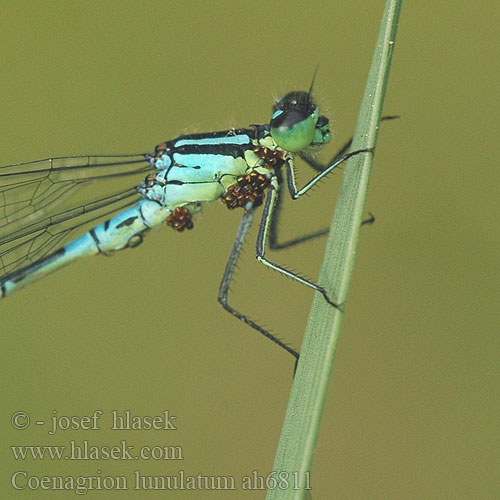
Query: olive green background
413,407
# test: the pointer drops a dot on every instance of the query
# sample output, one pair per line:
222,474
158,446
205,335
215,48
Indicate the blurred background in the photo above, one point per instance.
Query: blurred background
413,405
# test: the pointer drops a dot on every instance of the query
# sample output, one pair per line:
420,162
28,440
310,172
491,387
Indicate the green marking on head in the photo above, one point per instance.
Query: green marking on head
296,124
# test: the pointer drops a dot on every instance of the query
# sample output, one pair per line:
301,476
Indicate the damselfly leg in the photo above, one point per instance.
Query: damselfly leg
274,243
224,287
271,202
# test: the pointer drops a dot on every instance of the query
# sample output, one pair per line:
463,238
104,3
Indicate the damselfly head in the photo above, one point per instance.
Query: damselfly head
296,124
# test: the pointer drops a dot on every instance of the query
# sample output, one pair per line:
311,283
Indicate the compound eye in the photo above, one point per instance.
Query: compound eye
287,119
293,130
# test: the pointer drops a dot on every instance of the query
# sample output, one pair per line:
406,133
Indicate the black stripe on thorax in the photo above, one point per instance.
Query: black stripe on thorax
213,135
234,150
198,146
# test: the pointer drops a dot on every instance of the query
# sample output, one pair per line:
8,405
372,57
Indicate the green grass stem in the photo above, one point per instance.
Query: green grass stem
305,408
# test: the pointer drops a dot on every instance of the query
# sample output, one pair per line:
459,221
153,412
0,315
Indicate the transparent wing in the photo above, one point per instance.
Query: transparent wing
44,203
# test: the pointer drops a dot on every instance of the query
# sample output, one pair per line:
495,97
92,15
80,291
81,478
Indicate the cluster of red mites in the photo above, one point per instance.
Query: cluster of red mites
248,188
180,219
271,156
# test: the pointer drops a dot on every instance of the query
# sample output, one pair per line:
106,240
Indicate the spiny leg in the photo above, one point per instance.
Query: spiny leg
290,174
274,244
226,281
273,228
267,215
319,167
268,211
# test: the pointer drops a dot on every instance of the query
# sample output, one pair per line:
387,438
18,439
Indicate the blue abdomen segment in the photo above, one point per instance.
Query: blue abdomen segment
121,231
125,229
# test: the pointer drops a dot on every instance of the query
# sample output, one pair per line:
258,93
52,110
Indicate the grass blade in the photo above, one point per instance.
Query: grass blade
305,408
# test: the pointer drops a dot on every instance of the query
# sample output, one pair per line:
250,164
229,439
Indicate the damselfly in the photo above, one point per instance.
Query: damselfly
47,202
